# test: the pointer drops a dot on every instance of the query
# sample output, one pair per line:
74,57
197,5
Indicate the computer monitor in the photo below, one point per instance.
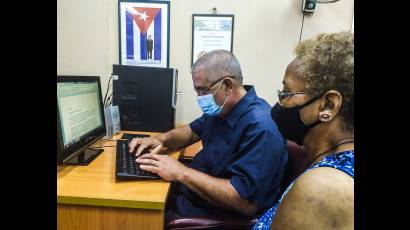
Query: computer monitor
80,119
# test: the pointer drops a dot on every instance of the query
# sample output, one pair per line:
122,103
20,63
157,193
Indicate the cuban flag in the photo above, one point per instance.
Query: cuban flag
141,22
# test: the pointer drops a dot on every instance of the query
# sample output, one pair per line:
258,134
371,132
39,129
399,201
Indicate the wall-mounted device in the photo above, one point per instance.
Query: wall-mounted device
309,6
112,120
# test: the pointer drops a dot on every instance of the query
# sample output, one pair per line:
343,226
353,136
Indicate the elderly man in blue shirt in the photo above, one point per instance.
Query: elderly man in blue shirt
239,170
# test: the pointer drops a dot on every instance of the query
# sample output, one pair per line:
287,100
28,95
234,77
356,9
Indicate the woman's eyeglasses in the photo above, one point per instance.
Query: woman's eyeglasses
282,95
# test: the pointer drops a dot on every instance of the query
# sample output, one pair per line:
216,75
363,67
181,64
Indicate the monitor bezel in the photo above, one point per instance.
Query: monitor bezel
64,155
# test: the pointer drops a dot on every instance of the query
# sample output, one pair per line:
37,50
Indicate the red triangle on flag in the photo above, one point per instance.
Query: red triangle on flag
144,17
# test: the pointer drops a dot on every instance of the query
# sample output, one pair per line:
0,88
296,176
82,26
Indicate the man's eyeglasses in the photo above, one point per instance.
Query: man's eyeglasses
282,95
208,90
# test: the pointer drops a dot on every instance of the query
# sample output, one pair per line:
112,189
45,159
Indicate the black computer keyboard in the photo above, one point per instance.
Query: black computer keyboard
130,136
126,167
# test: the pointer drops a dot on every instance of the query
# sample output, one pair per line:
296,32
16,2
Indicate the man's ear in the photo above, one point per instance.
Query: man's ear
229,84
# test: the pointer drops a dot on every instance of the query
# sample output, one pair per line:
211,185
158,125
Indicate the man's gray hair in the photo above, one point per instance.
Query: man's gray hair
218,64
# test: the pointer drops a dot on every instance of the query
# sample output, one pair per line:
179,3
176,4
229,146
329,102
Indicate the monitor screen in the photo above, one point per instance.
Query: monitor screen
79,114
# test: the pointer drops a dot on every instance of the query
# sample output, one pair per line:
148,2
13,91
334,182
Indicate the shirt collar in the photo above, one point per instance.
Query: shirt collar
240,108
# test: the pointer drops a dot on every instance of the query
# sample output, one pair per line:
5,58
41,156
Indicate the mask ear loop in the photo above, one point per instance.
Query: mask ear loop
218,88
222,106
306,104
226,98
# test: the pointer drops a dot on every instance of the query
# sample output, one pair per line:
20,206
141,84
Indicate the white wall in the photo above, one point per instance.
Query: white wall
265,33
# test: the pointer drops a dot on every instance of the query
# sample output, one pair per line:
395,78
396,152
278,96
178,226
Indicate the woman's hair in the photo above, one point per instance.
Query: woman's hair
328,64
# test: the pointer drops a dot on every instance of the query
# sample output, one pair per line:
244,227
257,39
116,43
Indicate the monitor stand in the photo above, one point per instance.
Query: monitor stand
85,157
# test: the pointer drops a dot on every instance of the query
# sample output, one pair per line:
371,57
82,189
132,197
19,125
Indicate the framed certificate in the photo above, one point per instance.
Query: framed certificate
143,33
211,32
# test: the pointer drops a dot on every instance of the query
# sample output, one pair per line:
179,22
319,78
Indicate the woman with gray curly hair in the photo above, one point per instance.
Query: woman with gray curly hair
315,109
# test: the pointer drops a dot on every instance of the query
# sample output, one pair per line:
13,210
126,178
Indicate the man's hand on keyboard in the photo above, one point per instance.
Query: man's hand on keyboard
164,166
150,144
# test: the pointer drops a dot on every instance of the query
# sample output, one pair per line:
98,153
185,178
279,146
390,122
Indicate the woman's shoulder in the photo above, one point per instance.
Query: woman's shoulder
329,191
324,192
326,185
326,180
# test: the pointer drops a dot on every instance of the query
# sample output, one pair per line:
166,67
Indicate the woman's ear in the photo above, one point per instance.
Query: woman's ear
330,106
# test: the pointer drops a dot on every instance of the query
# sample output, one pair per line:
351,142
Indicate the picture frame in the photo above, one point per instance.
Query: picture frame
211,32
143,27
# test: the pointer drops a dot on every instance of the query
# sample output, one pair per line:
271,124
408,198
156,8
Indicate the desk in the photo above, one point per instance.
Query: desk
89,197
190,151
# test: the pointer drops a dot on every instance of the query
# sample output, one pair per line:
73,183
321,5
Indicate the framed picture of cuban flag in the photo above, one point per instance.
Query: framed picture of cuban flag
144,33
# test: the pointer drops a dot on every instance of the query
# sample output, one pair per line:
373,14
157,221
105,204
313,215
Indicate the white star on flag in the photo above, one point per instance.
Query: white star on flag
143,16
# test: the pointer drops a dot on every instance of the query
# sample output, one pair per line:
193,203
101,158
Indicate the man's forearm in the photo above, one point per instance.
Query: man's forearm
178,137
216,191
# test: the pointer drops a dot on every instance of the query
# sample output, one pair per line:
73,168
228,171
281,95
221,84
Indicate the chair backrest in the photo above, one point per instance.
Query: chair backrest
297,160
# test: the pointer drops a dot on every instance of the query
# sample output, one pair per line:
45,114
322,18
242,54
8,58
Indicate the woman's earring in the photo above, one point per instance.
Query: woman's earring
324,116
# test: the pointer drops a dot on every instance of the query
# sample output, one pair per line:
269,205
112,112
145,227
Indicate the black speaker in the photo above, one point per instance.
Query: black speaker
146,97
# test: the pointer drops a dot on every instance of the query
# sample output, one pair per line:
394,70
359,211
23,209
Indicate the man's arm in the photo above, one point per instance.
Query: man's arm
178,137
216,191
175,138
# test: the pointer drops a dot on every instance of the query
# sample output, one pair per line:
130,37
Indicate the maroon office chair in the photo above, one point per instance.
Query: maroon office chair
210,223
296,163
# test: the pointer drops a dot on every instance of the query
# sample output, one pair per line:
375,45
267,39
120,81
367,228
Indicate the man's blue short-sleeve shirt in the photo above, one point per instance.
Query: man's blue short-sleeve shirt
244,147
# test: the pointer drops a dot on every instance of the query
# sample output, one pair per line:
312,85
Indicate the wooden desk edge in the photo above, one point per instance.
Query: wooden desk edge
116,203
111,203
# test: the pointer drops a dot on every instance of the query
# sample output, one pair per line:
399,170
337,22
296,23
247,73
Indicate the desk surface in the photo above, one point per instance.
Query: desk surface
95,184
192,150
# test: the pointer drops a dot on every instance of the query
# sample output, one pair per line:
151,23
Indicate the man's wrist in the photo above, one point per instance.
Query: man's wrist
161,138
182,175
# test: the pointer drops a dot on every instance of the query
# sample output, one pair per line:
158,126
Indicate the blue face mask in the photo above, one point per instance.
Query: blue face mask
208,105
